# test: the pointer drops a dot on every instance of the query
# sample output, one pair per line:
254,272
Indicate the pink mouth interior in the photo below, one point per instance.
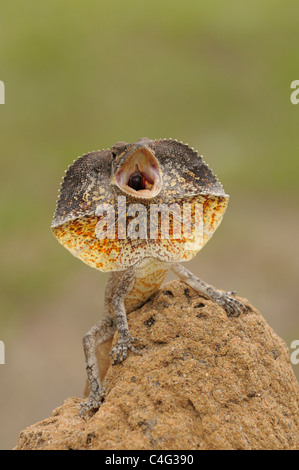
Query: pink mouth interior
140,175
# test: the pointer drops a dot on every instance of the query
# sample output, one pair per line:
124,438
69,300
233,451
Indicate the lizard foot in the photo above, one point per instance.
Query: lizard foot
120,352
93,403
232,306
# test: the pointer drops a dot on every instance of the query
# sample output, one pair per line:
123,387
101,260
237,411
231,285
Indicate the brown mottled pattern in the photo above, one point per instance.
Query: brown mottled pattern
79,237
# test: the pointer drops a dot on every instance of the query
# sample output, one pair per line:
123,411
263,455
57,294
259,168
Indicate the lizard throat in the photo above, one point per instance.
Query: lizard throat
140,175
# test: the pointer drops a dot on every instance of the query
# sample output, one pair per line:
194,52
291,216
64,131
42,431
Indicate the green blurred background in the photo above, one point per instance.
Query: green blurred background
80,76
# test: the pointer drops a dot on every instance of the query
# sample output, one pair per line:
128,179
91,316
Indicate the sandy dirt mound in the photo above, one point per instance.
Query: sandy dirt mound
204,381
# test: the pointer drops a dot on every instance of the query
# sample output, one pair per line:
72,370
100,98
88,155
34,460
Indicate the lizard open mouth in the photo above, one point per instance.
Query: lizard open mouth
140,175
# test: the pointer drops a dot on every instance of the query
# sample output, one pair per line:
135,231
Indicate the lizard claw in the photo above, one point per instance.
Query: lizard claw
231,292
232,306
93,403
120,352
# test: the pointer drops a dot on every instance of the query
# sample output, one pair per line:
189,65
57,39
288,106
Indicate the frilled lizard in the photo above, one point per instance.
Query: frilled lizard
134,178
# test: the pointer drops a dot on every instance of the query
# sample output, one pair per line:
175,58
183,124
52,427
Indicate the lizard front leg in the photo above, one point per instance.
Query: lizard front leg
232,306
118,286
125,284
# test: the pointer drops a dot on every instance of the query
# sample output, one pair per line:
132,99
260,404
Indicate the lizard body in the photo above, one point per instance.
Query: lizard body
171,189
148,278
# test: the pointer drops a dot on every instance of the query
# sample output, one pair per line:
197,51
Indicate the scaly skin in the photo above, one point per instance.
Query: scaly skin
97,190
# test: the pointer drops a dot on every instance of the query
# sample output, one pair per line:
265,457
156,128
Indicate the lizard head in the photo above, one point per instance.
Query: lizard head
161,173
135,169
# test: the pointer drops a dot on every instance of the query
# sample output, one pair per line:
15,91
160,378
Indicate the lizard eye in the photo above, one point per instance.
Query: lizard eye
118,148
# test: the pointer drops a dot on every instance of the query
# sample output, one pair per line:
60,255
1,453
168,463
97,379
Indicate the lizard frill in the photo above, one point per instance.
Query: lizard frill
114,209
